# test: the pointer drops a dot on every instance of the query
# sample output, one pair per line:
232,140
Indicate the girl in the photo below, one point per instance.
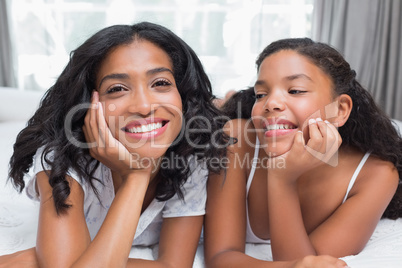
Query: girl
287,183
127,171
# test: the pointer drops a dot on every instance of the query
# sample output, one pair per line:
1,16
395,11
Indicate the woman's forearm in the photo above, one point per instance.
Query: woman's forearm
112,244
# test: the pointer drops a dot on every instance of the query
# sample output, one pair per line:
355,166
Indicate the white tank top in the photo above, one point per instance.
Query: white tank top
250,236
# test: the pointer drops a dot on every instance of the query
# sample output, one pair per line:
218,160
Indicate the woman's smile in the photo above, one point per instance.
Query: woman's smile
146,128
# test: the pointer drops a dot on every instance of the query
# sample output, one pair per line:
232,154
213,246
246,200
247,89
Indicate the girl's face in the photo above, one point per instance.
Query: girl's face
289,90
142,105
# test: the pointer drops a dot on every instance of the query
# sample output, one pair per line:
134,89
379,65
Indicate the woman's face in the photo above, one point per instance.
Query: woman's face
289,90
142,105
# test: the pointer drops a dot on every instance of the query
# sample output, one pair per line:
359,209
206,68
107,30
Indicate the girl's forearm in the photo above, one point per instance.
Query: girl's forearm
133,263
239,259
289,239
112,244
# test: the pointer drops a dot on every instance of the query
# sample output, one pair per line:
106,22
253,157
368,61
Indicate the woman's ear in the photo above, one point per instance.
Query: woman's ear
345,105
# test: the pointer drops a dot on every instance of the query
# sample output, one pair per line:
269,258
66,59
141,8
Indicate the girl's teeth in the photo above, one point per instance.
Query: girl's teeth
279,126
145,128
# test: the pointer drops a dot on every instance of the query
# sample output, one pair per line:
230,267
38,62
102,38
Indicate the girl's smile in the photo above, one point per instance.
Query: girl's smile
289,91
278,127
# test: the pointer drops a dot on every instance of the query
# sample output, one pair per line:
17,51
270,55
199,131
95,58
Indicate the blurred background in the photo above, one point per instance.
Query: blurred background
36,36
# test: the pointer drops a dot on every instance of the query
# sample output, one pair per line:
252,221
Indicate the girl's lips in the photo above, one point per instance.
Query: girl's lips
278,132
275,127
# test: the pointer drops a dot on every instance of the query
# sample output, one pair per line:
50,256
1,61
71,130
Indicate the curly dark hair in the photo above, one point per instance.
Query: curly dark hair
74,87
368,128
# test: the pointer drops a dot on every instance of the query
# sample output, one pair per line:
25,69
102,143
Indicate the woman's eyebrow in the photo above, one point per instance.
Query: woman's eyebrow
159,70
113,76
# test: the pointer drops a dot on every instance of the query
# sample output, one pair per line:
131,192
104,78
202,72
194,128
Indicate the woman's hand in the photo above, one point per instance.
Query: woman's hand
25,258
321,148
106,148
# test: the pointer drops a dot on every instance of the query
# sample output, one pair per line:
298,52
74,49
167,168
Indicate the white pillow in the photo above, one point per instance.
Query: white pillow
398,125
17,104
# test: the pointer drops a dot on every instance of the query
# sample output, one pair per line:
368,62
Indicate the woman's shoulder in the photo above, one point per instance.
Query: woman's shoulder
42,163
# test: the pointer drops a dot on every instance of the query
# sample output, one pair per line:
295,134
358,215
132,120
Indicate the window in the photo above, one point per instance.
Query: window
227,35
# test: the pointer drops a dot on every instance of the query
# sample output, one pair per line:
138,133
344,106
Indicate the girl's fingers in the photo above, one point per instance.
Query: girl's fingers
316,136
334,130
324,139
298,143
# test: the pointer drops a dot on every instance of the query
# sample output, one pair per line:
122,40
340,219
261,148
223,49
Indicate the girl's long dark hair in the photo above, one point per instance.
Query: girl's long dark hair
74,88
368,128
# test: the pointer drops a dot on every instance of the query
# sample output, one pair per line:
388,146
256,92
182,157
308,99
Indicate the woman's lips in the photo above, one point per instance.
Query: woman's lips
146,128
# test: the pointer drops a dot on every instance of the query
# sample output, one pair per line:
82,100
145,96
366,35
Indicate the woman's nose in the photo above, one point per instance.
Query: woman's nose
141,102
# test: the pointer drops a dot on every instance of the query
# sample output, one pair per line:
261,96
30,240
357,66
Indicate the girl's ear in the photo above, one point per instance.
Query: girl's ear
345,105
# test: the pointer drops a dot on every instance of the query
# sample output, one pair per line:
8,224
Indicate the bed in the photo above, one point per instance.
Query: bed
19,215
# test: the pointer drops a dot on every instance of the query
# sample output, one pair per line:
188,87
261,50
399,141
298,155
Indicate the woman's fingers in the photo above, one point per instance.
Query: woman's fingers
89,127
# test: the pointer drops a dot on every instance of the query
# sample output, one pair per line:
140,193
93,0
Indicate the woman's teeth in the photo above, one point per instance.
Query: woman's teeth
145,128
279,126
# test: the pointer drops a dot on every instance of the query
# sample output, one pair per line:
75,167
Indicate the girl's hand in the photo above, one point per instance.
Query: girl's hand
322,147
320,262
25,258
105,148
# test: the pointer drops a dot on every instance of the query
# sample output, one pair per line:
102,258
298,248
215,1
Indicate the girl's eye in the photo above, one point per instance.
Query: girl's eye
161,83
116,88
296,91
259,96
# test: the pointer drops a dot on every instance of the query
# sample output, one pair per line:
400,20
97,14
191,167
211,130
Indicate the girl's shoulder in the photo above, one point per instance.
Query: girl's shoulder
378,169
242,151
376,176
243,132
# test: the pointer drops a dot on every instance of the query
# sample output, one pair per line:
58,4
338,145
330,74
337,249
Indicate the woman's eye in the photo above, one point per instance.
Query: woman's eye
296,91
161,83
115,89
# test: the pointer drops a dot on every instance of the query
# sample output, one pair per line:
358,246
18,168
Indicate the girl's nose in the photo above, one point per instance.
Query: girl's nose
275,101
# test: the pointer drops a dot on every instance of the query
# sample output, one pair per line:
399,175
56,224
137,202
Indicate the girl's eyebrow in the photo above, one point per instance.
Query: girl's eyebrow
126,76
288,78
297,76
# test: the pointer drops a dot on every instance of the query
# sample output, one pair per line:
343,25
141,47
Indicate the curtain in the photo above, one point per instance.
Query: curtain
7,76
369,35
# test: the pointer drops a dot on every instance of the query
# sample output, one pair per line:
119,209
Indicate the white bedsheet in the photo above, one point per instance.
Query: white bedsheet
19,220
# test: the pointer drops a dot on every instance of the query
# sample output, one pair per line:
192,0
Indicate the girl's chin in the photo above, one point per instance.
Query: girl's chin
271,154
276,152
